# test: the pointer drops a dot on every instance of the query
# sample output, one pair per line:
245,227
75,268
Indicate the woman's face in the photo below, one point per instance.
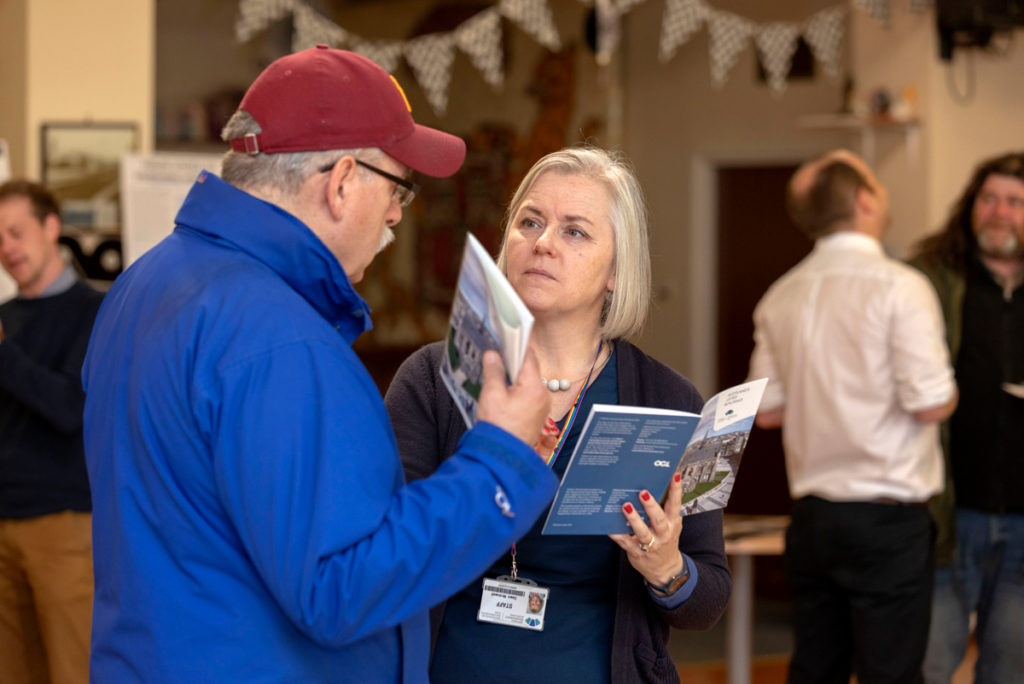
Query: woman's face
561,247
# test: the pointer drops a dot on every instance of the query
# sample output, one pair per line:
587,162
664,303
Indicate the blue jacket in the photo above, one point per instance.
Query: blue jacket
251,521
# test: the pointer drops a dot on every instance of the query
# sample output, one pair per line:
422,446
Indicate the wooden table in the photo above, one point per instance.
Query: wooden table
747,536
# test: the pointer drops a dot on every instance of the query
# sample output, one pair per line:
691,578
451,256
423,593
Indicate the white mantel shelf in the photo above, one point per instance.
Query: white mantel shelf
867,128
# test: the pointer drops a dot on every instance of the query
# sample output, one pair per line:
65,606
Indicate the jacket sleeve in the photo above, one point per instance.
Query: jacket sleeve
306,466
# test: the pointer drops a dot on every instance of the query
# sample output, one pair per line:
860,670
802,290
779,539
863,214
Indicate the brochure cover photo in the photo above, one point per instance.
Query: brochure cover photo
486,314
625,449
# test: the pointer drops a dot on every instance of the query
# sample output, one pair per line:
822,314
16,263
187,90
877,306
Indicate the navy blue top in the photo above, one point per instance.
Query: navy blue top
581,573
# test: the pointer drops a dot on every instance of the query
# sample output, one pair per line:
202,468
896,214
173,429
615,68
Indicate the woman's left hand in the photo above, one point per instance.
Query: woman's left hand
653,549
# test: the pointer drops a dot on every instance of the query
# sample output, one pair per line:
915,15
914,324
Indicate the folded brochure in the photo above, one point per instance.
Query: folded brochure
486,314
625,449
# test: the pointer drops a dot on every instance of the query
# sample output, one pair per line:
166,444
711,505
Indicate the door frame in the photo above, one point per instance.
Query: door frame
703,258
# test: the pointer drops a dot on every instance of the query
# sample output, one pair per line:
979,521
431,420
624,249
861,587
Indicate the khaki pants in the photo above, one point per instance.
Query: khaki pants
45,599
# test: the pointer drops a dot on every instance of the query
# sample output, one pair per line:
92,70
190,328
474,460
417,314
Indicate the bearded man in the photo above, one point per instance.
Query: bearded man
975,264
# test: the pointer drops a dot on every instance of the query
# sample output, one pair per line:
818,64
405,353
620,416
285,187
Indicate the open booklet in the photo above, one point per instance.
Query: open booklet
486,314
625,449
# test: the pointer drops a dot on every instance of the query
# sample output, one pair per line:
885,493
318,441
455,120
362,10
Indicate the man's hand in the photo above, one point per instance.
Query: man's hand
522,408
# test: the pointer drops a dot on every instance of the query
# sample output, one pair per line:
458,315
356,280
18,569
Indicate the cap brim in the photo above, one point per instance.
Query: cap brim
429,151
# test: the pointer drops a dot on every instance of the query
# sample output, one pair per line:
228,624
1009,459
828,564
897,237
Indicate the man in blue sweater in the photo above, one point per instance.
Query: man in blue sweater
45,548
251,521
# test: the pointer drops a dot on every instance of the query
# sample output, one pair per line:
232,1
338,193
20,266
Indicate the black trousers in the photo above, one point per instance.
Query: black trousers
862,578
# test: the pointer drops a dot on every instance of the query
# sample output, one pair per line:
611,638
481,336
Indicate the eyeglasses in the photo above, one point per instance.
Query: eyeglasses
405,190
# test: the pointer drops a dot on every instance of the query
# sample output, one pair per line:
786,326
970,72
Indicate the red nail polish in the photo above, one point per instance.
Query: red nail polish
628,508
645,496
678,477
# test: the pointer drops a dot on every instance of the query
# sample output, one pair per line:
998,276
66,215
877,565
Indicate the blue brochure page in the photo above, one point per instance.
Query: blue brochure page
624,449
621,450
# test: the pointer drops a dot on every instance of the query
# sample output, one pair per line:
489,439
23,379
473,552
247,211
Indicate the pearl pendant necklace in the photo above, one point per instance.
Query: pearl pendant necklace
557,385
563,384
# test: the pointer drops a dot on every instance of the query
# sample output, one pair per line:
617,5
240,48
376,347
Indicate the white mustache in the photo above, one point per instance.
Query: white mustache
386,238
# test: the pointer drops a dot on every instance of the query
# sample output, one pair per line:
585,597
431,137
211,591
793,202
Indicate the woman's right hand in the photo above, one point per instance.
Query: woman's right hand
548,439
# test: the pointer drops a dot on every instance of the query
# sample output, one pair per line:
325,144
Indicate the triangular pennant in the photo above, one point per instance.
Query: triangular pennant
534,17
681,20
609,30
312,28
431,58
480,38
255,15
625,6
729,34
879,9
384,54
776,44
824,34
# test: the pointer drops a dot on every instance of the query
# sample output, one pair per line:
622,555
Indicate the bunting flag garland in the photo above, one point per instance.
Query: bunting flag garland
824,33
776,44
681,20
255,15
387,55
609,30
480,39
312,28
879,9
534,17
729,34
431,56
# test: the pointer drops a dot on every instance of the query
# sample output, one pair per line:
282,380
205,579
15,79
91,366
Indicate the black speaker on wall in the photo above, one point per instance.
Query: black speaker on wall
972,23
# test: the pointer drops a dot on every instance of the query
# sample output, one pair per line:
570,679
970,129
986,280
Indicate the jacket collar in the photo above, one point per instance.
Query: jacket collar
222,213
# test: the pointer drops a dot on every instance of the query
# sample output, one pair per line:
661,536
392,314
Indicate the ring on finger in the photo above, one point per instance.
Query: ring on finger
648,546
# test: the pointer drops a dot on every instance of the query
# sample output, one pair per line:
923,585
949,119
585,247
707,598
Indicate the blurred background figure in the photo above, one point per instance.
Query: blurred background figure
974,262
859,375
45,540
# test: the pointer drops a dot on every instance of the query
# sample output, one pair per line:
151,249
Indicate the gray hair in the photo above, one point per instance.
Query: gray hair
279,173
625,311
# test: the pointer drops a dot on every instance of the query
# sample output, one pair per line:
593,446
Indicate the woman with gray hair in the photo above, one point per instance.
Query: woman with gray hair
575,249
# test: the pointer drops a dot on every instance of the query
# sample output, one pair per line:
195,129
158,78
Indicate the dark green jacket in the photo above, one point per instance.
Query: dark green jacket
949,284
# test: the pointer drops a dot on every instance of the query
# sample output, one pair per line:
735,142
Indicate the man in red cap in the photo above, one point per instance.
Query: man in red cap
251,520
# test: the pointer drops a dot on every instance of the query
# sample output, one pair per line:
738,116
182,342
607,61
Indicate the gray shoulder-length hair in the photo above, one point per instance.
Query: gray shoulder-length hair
625,311
284,172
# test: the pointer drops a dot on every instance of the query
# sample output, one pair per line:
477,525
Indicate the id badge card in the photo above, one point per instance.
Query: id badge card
516,603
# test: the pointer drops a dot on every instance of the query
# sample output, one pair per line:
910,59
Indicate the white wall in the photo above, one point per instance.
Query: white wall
962,133
87,61
678,128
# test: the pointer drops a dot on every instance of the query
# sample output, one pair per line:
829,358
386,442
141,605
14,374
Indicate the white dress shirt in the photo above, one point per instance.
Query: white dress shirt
853,344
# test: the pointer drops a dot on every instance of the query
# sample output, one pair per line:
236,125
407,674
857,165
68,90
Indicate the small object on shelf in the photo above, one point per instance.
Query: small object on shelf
881,101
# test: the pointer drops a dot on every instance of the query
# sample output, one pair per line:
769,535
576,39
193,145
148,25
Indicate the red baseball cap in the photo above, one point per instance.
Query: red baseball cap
325,99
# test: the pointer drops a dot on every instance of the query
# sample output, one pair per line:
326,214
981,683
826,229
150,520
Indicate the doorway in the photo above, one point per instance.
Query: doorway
756,243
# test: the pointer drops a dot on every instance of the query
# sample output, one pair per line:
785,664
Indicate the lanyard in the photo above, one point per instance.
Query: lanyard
570,417
574,410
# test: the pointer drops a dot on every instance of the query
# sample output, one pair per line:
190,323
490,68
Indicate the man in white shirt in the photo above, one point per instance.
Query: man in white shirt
852,342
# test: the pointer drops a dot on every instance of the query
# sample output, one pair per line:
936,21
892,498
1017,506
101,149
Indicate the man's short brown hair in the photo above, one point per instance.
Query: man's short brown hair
829,200
42,200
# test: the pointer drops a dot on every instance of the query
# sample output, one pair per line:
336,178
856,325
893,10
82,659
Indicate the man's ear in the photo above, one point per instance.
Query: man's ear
866,200
51,227
339,185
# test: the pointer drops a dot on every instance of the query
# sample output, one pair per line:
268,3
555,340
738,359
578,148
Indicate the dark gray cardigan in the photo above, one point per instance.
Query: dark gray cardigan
428,426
